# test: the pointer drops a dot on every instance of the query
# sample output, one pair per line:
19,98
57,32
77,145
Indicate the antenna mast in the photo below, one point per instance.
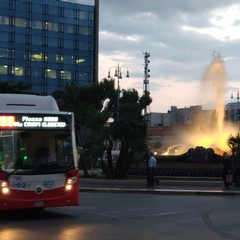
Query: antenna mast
146,77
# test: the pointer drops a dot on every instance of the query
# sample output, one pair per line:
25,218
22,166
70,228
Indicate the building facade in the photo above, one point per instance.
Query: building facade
181,116
167,132
48,43
232,112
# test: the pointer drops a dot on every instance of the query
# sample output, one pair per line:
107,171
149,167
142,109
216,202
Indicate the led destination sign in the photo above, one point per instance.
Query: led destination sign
40,121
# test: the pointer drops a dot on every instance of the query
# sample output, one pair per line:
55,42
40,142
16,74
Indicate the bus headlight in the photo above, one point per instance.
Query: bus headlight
4,187
69,184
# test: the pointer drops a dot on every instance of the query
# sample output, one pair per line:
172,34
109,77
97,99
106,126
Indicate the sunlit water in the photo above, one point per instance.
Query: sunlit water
203,132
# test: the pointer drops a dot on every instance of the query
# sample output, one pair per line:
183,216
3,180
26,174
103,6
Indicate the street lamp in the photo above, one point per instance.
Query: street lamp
237,91
118,75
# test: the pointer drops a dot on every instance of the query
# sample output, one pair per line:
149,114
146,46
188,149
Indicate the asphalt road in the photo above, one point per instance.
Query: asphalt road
107,216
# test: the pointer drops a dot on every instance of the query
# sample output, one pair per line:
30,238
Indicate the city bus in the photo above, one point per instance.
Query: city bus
38,154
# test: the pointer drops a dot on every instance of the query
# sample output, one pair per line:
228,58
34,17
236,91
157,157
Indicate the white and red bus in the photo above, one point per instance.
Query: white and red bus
38,154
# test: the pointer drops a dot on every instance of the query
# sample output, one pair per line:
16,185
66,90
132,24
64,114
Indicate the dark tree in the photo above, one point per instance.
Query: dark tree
15,87
128,130
103,124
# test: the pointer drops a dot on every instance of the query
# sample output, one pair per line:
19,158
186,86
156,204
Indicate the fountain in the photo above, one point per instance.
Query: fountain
210,130
199,149
203,144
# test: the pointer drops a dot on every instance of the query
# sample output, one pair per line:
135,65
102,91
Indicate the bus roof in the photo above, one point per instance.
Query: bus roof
27,102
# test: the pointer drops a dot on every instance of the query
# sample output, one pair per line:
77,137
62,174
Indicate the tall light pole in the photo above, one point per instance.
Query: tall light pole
237,111
118,75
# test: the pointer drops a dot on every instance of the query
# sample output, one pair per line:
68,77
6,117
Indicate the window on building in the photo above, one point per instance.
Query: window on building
51,88
51,57
69,13
53,10
90,16
4,53
66,75
79,61
21,6
83,46
81,15
19,54
52,26
70,28
50,73
20,22
36,56
17,71
36,7
36,24
36,72
37,40
68,44
85,31
68,59
4,37
3,69
52,42
83,77
4,20
20,38
4,5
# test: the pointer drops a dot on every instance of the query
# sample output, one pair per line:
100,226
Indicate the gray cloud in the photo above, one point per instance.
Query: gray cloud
170,31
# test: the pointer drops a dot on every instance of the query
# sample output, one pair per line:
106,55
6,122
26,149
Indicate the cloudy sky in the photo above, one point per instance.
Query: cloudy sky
181,37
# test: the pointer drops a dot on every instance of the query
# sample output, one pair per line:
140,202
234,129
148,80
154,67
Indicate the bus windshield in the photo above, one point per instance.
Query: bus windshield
35,151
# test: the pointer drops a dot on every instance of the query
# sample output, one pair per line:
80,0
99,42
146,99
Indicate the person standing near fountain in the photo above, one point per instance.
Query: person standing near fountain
227,170
151,166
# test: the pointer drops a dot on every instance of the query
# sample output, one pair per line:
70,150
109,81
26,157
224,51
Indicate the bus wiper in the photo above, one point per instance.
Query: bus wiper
11,173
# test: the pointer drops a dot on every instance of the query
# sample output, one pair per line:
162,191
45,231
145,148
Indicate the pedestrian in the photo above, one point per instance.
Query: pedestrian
227,171
151,166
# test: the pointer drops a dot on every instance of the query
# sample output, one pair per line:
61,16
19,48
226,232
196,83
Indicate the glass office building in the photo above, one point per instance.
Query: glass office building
48,43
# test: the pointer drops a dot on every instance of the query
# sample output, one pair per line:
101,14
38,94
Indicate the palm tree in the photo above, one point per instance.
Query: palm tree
234,145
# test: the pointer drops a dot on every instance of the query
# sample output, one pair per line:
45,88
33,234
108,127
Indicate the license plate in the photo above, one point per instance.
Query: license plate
38,204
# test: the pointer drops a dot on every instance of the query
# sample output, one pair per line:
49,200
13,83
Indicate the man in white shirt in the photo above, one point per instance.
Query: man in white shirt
151,165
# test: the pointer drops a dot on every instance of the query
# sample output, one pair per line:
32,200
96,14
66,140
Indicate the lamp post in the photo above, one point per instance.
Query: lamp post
118,75
237,111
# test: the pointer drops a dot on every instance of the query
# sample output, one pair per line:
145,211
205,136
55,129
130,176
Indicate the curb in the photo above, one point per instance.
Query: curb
163,191
166,187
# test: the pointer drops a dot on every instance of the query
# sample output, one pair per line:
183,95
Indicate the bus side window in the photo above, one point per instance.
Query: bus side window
68,155
64,149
